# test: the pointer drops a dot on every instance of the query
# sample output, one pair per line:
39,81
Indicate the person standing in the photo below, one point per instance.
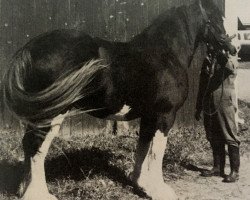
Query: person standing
217,100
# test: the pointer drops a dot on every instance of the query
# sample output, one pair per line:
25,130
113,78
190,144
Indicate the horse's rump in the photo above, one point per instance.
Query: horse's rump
37,102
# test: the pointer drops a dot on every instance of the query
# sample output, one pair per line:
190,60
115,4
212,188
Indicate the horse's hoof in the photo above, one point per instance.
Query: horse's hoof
52,197
158,191
163,192
40,197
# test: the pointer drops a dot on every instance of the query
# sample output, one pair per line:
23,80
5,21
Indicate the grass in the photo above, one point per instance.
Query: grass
89,166
95,164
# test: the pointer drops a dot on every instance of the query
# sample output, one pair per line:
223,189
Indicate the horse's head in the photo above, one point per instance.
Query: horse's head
212,30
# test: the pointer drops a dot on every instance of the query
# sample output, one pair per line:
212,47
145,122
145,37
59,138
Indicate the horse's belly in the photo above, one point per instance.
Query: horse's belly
110,110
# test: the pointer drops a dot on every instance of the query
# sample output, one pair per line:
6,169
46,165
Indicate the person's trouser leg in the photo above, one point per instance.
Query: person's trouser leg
222,154
215,136
218,150
228,124
234,158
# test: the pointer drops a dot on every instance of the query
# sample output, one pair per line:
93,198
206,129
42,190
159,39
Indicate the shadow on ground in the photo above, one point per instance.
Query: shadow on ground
87,163
76,165
80,164
193,168
10,176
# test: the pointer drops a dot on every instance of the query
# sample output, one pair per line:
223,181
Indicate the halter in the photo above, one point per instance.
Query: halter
209,36
204,14
217,41
216,45
207,20
207,28
213,61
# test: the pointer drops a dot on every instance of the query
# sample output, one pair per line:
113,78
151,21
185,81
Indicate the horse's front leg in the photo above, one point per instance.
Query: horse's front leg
36,144
149,156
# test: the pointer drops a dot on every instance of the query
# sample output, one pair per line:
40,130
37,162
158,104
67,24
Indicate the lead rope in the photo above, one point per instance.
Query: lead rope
214,62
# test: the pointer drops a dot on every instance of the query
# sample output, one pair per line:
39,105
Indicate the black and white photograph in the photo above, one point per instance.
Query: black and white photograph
124,100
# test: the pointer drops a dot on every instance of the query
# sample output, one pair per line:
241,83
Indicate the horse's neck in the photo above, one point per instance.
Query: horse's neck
176,29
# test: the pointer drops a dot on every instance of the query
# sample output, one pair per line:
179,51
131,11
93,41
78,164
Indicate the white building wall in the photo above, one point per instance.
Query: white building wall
231,26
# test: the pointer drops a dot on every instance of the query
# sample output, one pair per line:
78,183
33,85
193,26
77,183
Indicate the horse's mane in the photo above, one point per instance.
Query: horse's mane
177,27
169,21
186,16
215,15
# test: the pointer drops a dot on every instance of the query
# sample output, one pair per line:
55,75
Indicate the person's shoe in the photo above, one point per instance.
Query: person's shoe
231,178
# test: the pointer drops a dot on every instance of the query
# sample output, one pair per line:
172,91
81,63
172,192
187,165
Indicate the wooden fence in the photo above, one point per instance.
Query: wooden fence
115,20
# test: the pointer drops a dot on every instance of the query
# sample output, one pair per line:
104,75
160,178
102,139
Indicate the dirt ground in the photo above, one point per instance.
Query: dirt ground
194,187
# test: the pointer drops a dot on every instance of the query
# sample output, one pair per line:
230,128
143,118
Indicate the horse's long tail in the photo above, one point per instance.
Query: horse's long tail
38,108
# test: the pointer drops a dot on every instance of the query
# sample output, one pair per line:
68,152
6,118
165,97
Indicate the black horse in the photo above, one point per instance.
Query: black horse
144,78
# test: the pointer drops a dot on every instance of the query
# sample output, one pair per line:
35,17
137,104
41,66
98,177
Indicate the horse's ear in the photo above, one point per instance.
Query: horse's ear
104,54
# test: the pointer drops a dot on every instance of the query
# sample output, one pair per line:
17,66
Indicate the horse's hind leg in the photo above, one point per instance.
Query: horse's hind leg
36,144
149,156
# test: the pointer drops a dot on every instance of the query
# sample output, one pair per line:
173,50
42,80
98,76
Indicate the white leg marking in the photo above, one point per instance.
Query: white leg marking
121,115
37,189
125,109
148,169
